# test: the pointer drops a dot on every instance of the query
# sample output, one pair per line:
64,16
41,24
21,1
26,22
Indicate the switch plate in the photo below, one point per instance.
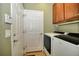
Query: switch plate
7,19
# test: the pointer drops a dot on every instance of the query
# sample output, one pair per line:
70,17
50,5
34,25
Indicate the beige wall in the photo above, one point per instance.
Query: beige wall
72,27
47,8
5,44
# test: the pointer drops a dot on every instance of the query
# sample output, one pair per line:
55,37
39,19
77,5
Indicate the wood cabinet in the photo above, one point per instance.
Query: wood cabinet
71,11
58,13
63,12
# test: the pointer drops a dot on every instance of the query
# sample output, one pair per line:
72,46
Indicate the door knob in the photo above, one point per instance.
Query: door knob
15,41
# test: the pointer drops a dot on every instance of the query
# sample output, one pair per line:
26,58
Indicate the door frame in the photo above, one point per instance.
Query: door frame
11,12
11,31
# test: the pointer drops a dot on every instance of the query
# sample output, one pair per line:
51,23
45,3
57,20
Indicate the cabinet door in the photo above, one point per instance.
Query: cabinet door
58,13
71,10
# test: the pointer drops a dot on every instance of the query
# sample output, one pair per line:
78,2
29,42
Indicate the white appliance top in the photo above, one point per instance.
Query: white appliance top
52,34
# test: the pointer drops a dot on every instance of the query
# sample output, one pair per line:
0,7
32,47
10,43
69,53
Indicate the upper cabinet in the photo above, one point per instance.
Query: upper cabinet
63,12
58,13
71,11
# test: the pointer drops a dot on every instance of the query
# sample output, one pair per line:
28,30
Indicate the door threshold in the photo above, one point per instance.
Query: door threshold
35,53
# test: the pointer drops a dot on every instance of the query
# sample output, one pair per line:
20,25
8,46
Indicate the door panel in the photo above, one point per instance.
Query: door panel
71,10
58,13
33,29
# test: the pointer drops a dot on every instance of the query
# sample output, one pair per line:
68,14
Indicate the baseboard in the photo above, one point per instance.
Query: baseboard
34,51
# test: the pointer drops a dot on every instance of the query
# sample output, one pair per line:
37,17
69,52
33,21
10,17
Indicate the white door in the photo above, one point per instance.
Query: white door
33,30
16,30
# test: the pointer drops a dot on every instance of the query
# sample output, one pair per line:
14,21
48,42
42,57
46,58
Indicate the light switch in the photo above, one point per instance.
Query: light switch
7,19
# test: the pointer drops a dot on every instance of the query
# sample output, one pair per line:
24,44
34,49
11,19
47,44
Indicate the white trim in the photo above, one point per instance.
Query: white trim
11,33
72,22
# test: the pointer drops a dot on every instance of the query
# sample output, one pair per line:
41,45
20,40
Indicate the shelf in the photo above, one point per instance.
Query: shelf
72,22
